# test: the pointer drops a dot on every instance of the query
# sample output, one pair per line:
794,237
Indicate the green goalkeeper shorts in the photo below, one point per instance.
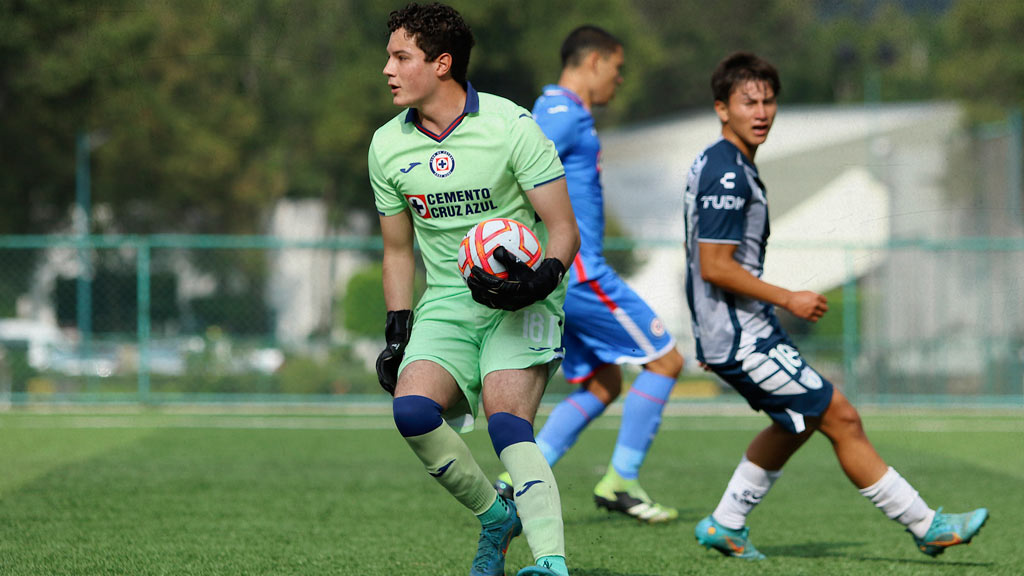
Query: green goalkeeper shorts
470,340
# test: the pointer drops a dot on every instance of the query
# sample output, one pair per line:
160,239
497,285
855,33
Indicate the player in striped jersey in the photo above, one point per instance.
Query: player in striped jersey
739,337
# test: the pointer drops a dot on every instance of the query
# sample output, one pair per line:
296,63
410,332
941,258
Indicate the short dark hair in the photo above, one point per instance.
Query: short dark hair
586,39
738,68
437,29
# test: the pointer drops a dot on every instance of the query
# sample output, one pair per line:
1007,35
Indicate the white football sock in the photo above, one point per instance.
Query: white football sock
894,496
748,485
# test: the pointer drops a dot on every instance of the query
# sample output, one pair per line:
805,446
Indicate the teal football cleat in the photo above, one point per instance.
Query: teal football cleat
494,541
951,529
736,543
504,486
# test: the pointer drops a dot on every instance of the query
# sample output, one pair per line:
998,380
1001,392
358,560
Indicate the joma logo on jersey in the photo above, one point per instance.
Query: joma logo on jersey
442,163
724,202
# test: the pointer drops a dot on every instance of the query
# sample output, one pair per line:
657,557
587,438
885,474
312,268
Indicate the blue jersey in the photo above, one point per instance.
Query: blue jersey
606,322
725,203
563,118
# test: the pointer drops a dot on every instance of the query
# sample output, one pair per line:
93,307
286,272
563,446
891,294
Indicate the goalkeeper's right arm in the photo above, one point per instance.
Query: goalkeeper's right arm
399,261
397,279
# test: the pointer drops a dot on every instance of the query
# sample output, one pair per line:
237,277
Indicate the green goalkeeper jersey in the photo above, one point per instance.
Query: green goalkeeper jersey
477,169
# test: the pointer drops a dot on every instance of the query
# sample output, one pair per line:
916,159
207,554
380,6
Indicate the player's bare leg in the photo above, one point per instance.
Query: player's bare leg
606,384
773,446
510,399
842,425
933,530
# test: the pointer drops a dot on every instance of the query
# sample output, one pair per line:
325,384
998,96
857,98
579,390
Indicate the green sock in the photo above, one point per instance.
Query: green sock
555,563
540,508
498,512
448,460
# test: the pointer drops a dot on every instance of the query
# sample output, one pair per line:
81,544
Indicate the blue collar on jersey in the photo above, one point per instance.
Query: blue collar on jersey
472,107
556,90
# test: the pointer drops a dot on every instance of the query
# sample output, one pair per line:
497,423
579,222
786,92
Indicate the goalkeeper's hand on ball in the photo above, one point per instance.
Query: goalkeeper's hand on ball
523,287
397,330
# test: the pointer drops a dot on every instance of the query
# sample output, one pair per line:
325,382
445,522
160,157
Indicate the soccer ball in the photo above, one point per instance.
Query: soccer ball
477,247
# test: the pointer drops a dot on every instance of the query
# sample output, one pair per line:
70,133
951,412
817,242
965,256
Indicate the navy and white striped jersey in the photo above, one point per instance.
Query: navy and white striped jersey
725,203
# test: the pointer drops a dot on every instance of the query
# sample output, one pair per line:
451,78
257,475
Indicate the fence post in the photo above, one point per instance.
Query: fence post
1016,150
143,318
83,286
850,328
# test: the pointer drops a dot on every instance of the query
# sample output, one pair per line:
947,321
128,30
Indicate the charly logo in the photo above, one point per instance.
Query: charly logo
442,163
728,181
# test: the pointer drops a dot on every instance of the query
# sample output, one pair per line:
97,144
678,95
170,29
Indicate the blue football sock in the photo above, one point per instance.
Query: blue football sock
641,417
566,422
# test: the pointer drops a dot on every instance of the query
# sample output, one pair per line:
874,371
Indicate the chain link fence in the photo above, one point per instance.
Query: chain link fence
253,319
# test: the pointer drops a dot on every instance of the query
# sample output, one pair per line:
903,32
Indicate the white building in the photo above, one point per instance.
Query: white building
835,176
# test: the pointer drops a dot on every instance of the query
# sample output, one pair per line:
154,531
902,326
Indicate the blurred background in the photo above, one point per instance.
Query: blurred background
185,214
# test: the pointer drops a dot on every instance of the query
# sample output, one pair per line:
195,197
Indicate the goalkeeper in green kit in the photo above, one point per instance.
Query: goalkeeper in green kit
452,158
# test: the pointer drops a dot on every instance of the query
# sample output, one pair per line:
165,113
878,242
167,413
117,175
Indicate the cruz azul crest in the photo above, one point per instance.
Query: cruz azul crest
442,163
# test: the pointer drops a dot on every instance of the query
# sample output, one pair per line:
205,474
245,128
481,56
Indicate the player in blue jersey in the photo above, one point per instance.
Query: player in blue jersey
739,337
606,322
467,344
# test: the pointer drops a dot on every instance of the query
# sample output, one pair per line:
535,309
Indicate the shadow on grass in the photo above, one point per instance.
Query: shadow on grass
936,563
688,517
587,571
809,550
835,550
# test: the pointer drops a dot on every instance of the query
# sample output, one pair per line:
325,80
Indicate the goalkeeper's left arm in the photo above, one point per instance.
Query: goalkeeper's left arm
551,202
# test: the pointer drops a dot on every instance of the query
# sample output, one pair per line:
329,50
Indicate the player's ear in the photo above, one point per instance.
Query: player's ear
443,64
722,109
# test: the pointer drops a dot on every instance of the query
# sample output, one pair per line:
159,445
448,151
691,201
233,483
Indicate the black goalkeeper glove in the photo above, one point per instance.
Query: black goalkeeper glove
396,332
523,287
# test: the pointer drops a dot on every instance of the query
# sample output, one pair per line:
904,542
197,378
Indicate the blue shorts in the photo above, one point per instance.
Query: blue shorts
774,378
607,323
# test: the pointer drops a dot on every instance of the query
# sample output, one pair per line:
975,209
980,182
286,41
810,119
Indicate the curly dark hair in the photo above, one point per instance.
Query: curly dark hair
437,29
739,67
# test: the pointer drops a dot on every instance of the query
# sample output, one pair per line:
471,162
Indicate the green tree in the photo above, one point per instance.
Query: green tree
47,52
210,111
984,63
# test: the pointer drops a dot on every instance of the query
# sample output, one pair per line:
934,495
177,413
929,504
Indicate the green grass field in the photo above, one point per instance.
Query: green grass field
162,493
